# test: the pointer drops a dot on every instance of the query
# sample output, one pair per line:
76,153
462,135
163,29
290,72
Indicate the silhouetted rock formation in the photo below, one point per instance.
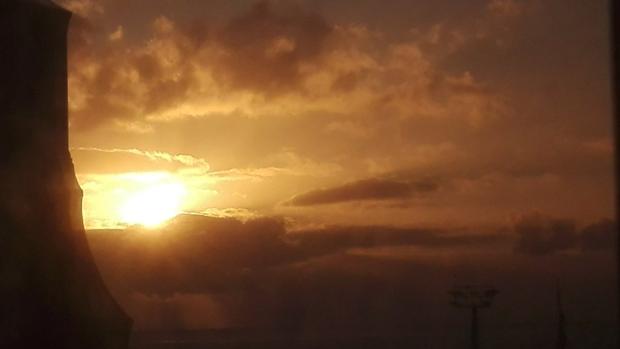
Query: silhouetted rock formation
52,293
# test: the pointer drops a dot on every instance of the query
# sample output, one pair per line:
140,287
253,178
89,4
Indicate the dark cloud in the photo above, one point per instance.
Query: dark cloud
81,36
266,48
599,236
226,251
540,234
192,254
199,272
116,83
368,189
262,274
338,238
551,53
263,50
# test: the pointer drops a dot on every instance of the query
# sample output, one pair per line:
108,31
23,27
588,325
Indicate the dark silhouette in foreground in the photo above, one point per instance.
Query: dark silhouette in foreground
562,341
51,292
473,298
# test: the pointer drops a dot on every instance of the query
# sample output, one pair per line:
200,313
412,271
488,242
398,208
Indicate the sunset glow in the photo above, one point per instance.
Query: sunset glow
320,168
153,205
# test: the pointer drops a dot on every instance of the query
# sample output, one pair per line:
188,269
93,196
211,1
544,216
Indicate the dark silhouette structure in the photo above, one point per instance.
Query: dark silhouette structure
614,10
561,341
473,298
52,295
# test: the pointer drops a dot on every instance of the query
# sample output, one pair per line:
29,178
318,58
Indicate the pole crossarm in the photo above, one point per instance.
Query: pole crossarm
473,297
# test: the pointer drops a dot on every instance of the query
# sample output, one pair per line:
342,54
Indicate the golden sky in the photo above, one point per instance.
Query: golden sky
362,144
446,113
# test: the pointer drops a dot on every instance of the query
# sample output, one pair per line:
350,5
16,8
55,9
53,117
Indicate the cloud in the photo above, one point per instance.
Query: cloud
364,190
110,176
180,68
187,160
333,239
540,234
135,160
83,8
598,236
272,59
222,250
225,251
266,48
204,272
116,82
505,8
117,35
179,312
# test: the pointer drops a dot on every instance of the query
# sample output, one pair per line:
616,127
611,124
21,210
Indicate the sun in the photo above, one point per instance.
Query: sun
153,205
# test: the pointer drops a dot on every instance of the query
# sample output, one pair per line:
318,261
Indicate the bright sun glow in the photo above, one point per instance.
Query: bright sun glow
153,205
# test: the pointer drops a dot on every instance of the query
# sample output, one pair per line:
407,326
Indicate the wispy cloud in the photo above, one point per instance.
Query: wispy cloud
152,155
364,190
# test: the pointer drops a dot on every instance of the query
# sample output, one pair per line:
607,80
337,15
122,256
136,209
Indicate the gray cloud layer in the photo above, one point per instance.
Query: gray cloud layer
199,272
364,190
541,235
168,260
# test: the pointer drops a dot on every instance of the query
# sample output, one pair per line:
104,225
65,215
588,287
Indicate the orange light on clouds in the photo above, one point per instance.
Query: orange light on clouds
152,202
113,201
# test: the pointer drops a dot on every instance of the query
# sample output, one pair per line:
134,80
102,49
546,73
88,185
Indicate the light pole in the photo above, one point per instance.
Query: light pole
473,297
561,341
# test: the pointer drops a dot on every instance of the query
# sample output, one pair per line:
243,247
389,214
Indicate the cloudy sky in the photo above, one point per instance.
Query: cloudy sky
310,134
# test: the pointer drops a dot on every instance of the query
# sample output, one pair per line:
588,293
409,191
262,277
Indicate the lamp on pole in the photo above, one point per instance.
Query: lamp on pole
473,297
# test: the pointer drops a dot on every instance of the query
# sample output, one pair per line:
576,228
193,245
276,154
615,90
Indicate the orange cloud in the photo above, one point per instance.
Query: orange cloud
267,61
